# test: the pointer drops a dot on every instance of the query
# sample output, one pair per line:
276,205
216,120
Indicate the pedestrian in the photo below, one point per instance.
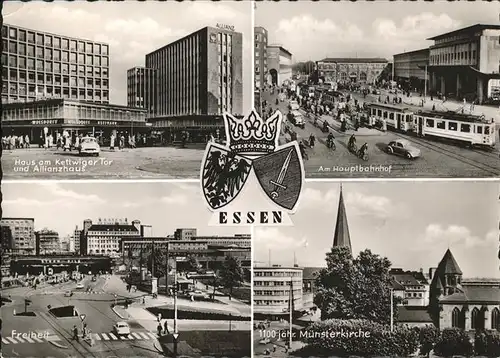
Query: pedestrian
160,329
75,333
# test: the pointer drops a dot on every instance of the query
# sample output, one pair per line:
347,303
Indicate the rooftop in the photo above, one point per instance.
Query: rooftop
473,28
310,273
61,101
423,50
407,314
355,60
105,227
475,294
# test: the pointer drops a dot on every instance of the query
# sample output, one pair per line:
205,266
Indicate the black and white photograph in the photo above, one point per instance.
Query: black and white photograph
383,89
95,90
90,272
387,269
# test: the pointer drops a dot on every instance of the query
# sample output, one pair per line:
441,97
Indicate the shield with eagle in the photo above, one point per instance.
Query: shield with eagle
280,175
223,175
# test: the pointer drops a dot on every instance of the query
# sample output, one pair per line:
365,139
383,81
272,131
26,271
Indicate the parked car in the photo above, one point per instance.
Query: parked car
265,341
89,145
293,105
80,286
121,328
68,294
404,148
198,295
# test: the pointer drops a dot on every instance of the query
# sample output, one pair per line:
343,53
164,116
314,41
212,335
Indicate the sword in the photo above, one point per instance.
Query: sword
281,177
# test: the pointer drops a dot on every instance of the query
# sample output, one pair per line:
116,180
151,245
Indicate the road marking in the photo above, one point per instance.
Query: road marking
20,340
123,338
53,338
113,336
105,336
137,335
152,335
130,336
38,339
12,340
144,335
4,341
29,340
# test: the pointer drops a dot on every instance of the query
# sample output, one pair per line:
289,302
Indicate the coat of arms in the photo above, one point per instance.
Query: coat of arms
252,144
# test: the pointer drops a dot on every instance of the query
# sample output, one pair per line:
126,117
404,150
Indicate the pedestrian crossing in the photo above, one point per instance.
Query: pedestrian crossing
131,337
30,340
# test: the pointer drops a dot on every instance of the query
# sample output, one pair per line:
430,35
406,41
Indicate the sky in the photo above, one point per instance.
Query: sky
60,207
410,223
315,30
132,29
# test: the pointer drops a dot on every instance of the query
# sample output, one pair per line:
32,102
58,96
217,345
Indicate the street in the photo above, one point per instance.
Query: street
100,318
437,159
139,163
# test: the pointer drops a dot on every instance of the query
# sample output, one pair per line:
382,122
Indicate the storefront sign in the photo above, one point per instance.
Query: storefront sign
225,27
107,123
45,122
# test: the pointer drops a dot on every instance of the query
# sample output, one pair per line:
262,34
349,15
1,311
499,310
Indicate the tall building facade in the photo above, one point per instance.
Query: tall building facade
104,237
279,64
141,88
466,63
77,233
260,57
198,78
351,70
22,235
39,64
409,69
47,242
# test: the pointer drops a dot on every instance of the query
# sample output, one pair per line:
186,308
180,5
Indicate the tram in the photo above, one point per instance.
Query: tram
397,118
465,128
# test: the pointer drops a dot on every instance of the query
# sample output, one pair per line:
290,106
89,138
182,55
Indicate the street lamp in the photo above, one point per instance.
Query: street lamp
392,309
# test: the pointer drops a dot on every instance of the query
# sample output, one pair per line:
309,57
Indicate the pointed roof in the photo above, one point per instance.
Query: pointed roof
449,265
341,237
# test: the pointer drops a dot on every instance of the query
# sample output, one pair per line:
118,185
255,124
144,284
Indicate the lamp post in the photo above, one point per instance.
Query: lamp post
176,334
392,309
425,83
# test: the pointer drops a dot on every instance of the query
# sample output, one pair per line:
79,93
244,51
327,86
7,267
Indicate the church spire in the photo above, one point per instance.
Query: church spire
341,236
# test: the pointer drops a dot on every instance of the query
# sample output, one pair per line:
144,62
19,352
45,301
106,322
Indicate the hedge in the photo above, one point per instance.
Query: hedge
487,343
196,314
359,338
428,336
453,341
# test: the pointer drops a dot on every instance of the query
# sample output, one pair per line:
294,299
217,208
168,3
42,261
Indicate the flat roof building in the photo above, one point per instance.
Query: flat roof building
141,88
40,64
279,63
409,69
351,70
196,79
465,63
260,57
22,235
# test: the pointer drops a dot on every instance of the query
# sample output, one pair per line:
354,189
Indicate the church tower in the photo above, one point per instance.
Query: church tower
341,236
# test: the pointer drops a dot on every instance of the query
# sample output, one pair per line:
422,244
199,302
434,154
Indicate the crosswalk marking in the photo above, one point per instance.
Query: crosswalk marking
132,336
20,340
144,335
12,340
137,335
152,335
104,336
29,340
112,336
97,336
4,341
123,338
38,339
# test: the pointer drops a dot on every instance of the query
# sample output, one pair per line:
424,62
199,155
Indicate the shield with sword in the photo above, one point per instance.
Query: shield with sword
280,175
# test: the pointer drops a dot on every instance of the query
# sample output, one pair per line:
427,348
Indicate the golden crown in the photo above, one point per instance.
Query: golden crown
253,135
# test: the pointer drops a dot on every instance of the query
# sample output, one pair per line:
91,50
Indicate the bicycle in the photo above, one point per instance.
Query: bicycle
330,144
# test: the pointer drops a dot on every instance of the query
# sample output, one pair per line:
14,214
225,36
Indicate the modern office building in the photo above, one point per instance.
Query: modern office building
197,79
39,64
279,64
409,69
22,235
351,70
47,242
75,117
141,88
104,237
185,233
271,294
465,63
35,265
260,57
77,233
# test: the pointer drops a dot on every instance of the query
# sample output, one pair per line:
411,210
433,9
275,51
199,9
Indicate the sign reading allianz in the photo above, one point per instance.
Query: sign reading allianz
252,180
225,27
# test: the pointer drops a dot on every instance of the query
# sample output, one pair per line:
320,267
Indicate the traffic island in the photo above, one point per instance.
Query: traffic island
63,312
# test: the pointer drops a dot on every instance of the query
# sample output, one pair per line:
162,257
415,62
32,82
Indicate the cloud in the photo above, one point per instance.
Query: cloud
273,238
24,202
57,192
175,199
210,12
457,235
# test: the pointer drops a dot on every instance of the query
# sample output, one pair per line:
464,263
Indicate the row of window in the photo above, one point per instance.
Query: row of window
31,90
453,126
271,302
56,55
468,57
413,295
53,41
56,80
278,273
477,318
56,67
334,66
276,293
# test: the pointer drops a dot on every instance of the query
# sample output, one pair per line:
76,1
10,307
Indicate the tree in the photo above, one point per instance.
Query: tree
231,274
192,263
355,288
158,256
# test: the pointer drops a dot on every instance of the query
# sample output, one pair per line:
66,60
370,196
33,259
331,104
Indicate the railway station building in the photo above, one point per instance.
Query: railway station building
465,63
351,70
409,69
